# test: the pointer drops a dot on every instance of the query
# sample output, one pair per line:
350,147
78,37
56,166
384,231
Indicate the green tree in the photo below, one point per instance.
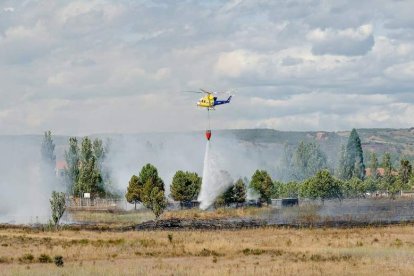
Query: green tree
99,151
387,165
353,164
388,181
308,159
353,187
262,183
239,191
225,199
72,164
150,172
90,179
321,186
185,186
234,194
373,165
57,206
147,188
154,197
134,191
341,171
283,190
285,168
371,184
48,150
405,171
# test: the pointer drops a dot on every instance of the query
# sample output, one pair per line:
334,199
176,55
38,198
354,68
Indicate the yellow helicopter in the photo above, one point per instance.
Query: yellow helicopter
209,101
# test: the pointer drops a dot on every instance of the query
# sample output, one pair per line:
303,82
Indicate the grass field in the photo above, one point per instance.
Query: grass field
262,251
128,218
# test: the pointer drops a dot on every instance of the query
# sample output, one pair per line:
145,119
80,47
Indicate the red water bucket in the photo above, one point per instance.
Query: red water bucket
208,134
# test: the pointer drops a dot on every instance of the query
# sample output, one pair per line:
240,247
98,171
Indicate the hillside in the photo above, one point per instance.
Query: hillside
259,143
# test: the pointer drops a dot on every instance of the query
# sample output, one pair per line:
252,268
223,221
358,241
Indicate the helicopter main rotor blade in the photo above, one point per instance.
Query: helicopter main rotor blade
197,92
207,92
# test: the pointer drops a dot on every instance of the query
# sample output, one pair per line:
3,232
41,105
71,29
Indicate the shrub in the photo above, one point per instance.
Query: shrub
26,258
397,243
58,260
44,258
249,251
4,260
207,252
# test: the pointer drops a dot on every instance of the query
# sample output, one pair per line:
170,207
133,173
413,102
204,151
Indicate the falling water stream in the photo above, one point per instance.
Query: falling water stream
215,181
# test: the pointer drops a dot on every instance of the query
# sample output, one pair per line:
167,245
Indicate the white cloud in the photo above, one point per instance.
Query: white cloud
348,42
234,63
118,62
8,9
401,72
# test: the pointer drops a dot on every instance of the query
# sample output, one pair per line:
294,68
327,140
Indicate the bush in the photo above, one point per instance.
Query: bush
58,261
4,260
44,258
249,251
26,258
207,252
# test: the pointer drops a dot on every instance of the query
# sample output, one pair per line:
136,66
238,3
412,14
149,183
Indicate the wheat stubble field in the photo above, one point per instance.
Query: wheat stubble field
262,251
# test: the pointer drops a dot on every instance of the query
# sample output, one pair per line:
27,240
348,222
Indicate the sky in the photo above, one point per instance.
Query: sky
87,67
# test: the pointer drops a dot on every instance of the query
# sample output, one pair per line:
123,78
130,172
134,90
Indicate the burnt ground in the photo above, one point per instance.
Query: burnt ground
340,214
362,212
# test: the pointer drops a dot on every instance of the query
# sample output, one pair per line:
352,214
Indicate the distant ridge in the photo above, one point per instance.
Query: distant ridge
399,142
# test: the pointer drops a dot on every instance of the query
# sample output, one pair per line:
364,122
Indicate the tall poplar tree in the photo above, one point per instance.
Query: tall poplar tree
72,164
308,159
48,150
90,179
354,160
373,165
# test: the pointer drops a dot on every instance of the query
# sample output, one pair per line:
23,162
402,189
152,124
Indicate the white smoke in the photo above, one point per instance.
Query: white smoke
26,183
215,179
168,153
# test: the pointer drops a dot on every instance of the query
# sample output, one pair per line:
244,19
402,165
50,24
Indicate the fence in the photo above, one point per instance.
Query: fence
78,203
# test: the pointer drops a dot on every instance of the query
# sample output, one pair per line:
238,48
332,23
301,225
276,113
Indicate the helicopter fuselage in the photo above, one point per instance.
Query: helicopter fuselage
209,101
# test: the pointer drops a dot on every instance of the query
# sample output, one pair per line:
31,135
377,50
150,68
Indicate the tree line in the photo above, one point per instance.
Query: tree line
306,165
313,178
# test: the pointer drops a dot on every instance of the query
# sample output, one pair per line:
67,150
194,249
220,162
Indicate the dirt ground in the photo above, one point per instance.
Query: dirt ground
263,251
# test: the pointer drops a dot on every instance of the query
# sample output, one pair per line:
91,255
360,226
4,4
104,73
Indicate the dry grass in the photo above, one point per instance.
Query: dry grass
264,251
110,218
216,213
134,217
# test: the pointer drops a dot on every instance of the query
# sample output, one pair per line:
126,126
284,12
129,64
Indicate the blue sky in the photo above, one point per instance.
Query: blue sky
82,67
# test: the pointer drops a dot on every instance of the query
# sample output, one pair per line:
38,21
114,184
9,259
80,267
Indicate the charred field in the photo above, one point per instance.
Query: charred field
265,241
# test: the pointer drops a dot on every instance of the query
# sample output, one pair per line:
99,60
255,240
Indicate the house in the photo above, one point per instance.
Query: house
380,172
60,168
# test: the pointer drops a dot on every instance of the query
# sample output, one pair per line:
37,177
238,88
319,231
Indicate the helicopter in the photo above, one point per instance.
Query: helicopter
209,101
